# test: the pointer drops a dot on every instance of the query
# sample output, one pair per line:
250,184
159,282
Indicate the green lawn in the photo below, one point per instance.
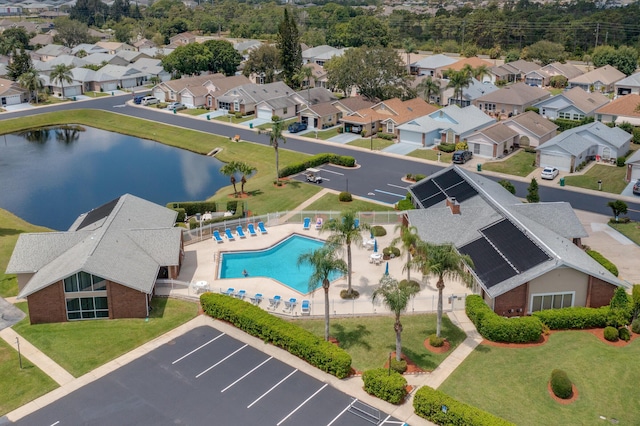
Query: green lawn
327,134
630,230
81,346
19,386
432,154
96,94
518,164
330,202
193,111
370,339
512,383
285,125
612,178
378,143
233,118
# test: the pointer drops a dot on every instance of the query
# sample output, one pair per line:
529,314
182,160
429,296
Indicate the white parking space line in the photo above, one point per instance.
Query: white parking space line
54,424
331,171
301,405
342,412
249,372
222,360
397,186
197,349
272,388
389,193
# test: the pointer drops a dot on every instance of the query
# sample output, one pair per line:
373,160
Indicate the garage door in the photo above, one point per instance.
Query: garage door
72,91
108,87
560,162
159,94
265,113
481,150
410,137
187,100
13,100
635,173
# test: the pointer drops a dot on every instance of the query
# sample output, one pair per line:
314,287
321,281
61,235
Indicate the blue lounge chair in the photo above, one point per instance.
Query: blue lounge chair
305,308
256,299
356,223
240,232
289,305
228,292
240,294
251,230
229,235
274,303
217,237
306,225
261,227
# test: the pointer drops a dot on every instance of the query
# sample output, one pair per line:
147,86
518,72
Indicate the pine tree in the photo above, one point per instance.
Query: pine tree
288,43
532,192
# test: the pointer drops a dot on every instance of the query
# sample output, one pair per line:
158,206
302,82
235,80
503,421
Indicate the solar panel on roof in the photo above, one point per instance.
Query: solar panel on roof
448,179
523,253
461,192
432,201
424,190
490,267
98,213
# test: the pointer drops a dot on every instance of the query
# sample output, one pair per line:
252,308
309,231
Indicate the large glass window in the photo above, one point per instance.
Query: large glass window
541,302
84,282
87,308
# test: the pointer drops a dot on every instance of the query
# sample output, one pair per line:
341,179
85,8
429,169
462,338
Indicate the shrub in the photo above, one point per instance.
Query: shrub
345,197
412,283
447,147
611,334
238,115
344,294
391,251
388,387
405,204
576,317
317,160
436,341
620,308
408,176
603,261
288,336
378,231
398,366
532,108
635,326
182,215
620,161
428,403
623,333
561,385
386,136
500,329
419,177
192,207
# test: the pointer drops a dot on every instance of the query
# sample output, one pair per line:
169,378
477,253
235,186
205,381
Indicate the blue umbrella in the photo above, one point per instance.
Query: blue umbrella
371,235
375,246
386,269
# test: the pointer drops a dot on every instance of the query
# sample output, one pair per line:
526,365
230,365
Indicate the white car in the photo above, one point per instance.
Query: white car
549,173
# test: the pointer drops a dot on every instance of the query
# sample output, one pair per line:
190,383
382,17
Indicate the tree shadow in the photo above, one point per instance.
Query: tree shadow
351,338
254,192
424,360
6,231
158,304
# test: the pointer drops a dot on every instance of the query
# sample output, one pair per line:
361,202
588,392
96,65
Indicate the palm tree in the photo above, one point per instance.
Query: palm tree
480,71
274,137
230,170
61,73
245,169
396,297
324,263
409,239
304,75
31,81
458,80
344,232
445,262
409,47
429,87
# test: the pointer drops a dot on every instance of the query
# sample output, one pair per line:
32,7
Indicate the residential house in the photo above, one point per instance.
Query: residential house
473,62
126,77
11,93
470,93
50,51
105,266
317,95
435,98
449,125
40,40
572,104
633,167
62,89
106,58
156,52
541,77
87,48
385,116
533,129
600,79
321,115
246,46
581,144
628,85
432,65
100,35
199,90
45,67
511,100
513,72
245,98
624,109
151,68
493,142
143,43
182,39
132,56
526,256
318,76
114,47
320,54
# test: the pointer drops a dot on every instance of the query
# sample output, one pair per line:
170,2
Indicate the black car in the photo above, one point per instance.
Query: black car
297,127
461,157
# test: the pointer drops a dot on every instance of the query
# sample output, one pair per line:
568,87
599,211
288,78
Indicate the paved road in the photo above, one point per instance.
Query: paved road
378,178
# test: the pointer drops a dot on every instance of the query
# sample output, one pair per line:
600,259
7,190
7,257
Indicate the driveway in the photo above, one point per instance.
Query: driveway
628,191
256,122
18,107
344,138
401,148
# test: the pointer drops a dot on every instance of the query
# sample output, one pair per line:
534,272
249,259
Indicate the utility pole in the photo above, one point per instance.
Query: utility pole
464,22
597,31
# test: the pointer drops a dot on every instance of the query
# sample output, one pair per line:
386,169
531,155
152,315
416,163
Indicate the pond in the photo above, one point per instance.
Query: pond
50,176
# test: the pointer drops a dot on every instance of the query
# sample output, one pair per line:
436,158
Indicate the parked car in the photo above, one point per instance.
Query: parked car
461,157
150,100
636,188
297,127
176,105
138,100
549,173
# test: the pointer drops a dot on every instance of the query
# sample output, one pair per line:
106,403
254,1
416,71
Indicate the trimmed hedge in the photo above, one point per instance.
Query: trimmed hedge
435,341
611,334
428,403
635,326
398,366
561,385
623,333
345,197
388,387
499,329
193,207
299,342
577,317
447,147
609,266
378,231
316,160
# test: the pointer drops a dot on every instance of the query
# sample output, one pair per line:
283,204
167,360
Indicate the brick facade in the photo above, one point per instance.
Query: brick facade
48,305
125,302
512,303
600,293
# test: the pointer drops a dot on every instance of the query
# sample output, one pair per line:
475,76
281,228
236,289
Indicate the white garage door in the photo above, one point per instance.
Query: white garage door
72,91
635,173
265,113
108,87
481,150
560,162
410,137
13,100
187,100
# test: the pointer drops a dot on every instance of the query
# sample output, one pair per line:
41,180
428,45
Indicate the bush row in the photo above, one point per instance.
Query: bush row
316,160
442,409
577,317
193,207
239,212
499,329
447,147
271,329
388,385
603,261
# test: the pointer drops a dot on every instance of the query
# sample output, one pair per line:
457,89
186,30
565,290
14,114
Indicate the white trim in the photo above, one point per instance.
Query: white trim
572,293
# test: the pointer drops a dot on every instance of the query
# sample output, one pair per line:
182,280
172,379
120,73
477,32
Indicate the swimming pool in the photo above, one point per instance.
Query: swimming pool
279,262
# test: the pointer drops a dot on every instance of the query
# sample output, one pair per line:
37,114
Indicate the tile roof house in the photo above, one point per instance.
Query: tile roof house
432,65
534,130
105,266
600,79
450,125
624,109
320,54
572,104
328,114
11,93
182,39
582,144
511,100
513,71
202,90
628,85
542,76
475,90
246,97
114,47
385,115
526,256
50,51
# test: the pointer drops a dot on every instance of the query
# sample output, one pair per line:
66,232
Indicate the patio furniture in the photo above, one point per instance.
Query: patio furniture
251,230
306,225
229,235
289,305
261,227
217,237
240,232
229,291
256,299
274,302
240,294
305,308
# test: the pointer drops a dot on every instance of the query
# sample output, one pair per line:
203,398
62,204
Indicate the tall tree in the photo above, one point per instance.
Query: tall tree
396,297
13,38
245,169
222,57
532,192
409,239
263,61
459,80
230,170
545,52
70,32
61,74
304,78
20,64
31,81
409,47
444,261
618,207
274,140
190,59
324,263
428,87
288,44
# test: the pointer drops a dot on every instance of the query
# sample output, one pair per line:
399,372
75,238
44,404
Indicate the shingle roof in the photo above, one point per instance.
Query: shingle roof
625,105
435,61
585,101
460,120
578,139
606,75
534,123
558,68
391,109
515,94
632,81
498,132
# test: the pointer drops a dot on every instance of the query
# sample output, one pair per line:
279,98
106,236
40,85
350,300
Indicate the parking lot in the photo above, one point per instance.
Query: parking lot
207,377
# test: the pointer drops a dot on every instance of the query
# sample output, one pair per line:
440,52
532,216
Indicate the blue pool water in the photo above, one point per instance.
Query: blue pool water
279,262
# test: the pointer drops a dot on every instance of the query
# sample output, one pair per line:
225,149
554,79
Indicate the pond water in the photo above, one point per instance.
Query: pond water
49,177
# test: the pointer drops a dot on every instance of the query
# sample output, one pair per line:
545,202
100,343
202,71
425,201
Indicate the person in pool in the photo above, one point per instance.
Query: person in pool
245,273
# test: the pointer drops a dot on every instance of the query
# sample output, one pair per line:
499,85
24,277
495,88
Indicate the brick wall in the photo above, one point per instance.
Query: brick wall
512,303
600,292
48,305
125,302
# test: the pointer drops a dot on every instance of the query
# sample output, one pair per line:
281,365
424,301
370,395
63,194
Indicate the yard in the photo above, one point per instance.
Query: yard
230,118
378,143
519,164
327,134
369,340
432,154
512,383
630,230
612,178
